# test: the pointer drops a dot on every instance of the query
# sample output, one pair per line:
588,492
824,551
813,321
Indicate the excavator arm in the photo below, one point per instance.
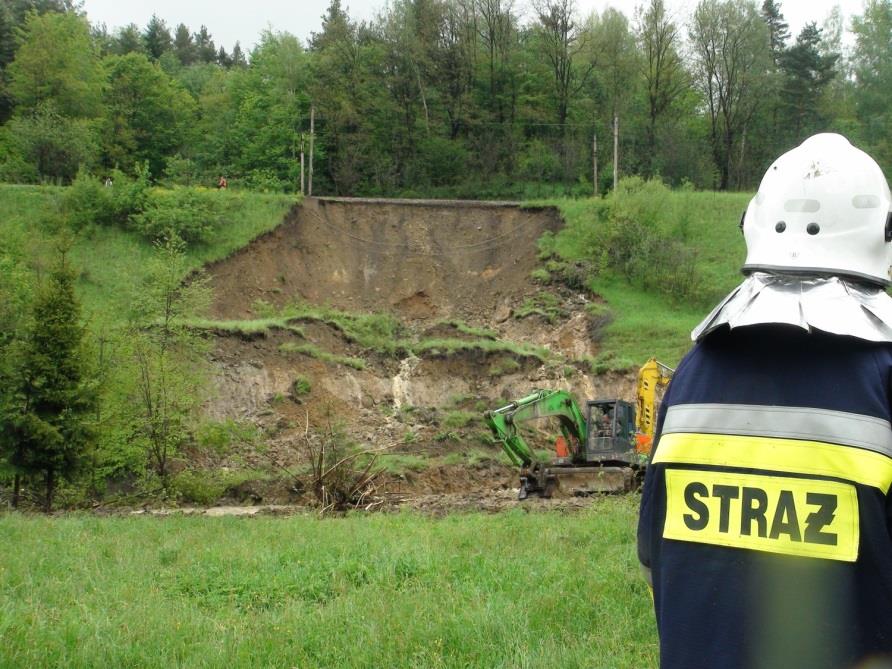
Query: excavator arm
540,404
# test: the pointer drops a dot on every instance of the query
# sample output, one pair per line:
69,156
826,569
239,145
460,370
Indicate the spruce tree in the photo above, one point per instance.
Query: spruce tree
184,45
204,46
48,417
807,72
778,29
157,37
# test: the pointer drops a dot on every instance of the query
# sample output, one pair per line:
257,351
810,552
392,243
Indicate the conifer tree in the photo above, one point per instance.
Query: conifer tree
238,56
183,45
48,418
204,46
157,37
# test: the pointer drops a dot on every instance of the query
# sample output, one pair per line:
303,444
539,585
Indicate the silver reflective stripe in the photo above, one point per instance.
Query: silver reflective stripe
835,427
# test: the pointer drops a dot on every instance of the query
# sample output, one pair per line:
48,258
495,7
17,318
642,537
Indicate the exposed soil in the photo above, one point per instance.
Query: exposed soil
419,259
431,265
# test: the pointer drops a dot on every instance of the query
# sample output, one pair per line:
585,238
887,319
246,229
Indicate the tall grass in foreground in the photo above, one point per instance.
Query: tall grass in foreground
512,590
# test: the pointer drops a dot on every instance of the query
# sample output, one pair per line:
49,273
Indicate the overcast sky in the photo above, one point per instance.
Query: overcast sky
244,21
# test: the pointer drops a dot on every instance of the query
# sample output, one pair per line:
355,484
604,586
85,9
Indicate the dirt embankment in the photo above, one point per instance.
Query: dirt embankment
457,278
431,260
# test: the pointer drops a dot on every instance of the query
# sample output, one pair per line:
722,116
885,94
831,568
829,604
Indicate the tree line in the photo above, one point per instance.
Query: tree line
461,97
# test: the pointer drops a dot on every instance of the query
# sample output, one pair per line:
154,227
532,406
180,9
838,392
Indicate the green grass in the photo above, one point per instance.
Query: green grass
246,327
449,347
475,456
647,323
464,328
400,463
110,260
534,590
373,331
314,351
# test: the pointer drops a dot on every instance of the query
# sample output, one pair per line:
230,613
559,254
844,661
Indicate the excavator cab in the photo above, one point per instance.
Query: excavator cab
611,432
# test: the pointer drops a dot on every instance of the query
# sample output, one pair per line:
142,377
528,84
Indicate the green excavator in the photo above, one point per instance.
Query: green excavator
604,449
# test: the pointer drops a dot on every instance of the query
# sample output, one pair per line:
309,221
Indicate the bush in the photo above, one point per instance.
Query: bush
90,202
636,235
198,487
264,181
191,214
180,171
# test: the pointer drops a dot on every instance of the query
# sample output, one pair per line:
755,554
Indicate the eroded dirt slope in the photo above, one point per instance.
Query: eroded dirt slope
473,330
418,259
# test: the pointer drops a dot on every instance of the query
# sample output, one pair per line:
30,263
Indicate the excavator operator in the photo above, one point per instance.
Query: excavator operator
605,424
766,524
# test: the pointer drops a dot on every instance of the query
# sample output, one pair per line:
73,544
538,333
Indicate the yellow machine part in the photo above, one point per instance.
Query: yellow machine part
652,375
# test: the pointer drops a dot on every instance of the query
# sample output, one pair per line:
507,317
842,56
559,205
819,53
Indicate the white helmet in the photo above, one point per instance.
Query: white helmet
822,209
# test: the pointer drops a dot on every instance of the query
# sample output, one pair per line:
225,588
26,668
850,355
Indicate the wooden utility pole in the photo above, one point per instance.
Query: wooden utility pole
312,138
595,164
615,151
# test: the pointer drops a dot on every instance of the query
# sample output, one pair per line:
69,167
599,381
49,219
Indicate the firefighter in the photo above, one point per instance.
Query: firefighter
765,526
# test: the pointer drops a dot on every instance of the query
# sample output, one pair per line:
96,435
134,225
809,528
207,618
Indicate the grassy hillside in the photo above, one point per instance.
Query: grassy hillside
510,590
648,321
110,260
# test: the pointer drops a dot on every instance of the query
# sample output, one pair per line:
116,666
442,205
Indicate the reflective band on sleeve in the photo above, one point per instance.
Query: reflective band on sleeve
804,423
781,455
775,514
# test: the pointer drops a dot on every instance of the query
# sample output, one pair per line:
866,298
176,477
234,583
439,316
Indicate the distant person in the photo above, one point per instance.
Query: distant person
108,182
222,184
766,520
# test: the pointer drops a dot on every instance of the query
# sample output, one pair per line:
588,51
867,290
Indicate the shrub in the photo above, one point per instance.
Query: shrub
540,275
264,181
300,386
90,202
198,487
188,213
609,362
638,236
180,171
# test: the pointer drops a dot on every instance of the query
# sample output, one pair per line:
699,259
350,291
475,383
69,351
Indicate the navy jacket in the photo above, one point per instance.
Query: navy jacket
765,516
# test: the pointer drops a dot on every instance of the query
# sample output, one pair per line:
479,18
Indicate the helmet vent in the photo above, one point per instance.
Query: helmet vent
865,202
813,228
780,227
804,206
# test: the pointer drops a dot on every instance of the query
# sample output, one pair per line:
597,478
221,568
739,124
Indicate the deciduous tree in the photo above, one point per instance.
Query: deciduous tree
58,63
664,74
730,43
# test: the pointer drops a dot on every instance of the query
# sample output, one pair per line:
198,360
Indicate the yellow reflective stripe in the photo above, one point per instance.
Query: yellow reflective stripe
775,514
782,455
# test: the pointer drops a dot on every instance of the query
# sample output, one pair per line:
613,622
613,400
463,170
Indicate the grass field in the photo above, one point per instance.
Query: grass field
515,590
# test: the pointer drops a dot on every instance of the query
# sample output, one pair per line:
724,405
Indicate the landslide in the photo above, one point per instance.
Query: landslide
417,259
403,321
